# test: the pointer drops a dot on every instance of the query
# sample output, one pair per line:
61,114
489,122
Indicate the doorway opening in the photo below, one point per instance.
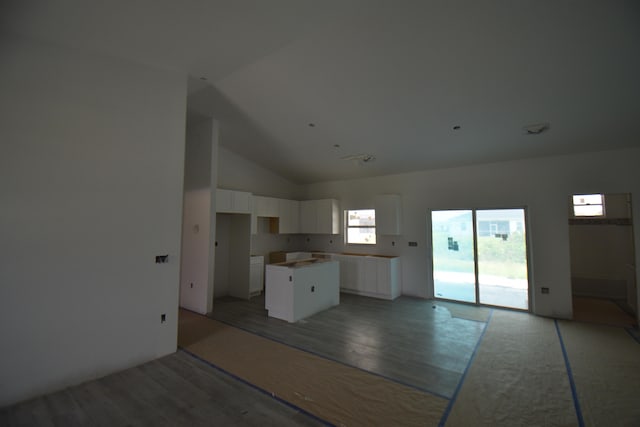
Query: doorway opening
480,256
603,273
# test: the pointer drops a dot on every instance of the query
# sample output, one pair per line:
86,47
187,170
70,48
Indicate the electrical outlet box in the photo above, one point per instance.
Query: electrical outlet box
413,243
162,259
544,290
163,318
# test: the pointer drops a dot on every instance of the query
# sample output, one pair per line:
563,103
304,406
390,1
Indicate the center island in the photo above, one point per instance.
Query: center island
297,289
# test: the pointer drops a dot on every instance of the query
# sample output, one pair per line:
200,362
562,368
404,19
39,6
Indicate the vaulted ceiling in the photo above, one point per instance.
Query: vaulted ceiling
299,85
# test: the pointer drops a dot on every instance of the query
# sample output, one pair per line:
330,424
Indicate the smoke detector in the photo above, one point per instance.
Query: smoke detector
535,129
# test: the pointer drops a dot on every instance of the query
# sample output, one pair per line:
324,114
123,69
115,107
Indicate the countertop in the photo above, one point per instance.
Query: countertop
301,262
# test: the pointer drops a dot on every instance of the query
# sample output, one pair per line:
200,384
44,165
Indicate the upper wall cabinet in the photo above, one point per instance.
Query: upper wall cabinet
230,201
289,216
266,206
388,214
320,216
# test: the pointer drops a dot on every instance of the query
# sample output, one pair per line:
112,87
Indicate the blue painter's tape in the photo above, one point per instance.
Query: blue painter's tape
574,393
447,411
415,387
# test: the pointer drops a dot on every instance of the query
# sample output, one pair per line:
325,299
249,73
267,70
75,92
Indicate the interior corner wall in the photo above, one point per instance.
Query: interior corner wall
91,171
542,185
238,173
198,222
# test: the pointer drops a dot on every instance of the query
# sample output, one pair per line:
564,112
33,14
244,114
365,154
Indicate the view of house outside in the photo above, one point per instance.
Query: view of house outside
501,254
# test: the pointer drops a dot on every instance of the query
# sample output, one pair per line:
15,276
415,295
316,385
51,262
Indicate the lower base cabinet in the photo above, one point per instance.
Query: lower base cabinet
293,293
372,276
256,275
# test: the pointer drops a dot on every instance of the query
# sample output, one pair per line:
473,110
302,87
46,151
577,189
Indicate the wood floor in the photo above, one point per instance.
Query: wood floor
415,342
411,341
424,344
177,390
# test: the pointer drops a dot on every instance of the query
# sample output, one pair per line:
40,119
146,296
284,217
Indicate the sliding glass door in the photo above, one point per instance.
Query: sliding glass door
480,256
454,274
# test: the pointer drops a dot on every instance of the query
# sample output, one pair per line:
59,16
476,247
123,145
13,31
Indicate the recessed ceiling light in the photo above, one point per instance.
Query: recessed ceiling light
457,127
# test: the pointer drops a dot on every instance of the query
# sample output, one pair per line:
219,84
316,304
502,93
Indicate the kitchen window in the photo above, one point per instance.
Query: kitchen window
588,205
361,226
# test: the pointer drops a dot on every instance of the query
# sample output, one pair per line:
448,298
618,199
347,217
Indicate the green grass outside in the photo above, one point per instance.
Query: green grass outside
498,257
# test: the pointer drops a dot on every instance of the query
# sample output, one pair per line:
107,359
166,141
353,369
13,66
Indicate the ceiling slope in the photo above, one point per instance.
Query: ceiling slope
300,85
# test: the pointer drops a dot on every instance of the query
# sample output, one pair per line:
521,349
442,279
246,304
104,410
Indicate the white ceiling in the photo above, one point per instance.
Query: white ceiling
387,78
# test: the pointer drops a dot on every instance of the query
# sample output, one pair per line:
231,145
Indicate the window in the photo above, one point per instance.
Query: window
361,226
588,205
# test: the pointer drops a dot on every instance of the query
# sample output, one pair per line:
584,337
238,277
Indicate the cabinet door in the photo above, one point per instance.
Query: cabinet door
255,284
288,211
369,277
308,216
266,206
383,276
348,272
328,216
241,202
223,200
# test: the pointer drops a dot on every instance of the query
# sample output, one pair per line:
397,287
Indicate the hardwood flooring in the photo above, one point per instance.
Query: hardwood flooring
176,390
413,341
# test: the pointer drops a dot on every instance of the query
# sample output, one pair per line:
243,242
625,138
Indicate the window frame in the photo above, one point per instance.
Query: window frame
581,215
348,227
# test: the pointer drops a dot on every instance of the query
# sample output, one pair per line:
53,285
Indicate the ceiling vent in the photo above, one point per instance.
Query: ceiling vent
535,129
359,159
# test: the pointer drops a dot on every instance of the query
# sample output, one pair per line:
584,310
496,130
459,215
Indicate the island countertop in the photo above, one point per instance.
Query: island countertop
301,262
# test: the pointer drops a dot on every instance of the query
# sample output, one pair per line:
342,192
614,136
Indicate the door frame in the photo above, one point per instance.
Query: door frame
527,240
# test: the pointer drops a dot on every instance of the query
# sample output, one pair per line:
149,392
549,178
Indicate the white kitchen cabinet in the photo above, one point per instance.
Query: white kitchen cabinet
230,201
319,217
387,275
388,214
295,291
372,276
369,274
263,207
308,216
266,206
350,272
256,275
289,212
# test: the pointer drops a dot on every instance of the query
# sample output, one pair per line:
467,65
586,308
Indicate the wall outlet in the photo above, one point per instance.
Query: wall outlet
163,318
413,243
544,290
162,259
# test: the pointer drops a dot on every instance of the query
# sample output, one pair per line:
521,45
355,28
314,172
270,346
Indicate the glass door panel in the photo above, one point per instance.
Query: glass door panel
453,255
502,258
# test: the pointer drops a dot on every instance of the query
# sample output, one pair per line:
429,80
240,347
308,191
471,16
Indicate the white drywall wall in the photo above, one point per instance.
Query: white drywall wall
91,170
222,253
542,185
237,173
198,222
